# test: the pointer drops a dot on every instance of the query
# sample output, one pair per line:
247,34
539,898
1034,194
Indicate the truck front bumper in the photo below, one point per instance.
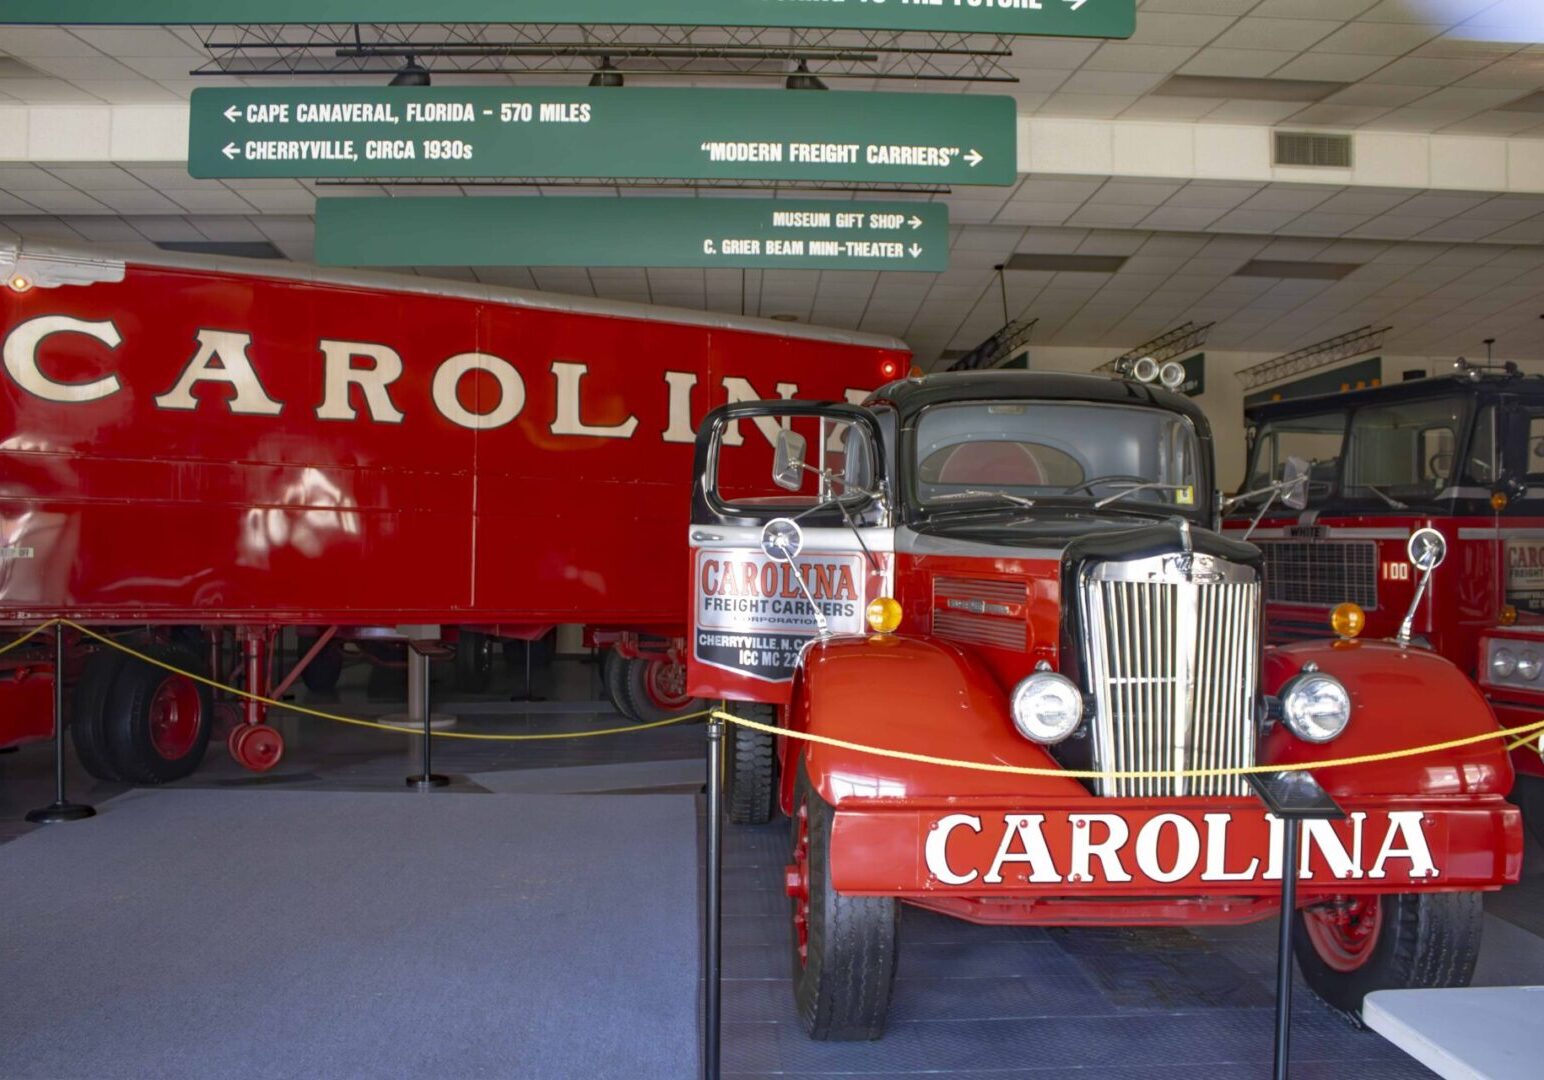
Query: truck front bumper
1168,851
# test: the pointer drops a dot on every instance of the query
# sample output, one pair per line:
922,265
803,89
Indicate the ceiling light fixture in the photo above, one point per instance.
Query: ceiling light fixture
802,79
412,74
608,75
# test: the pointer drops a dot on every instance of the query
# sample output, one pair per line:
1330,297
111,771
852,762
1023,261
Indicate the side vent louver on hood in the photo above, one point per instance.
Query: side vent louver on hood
981,611
1313,149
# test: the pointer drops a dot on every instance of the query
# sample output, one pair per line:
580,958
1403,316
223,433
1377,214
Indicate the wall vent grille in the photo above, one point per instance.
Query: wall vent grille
1313,150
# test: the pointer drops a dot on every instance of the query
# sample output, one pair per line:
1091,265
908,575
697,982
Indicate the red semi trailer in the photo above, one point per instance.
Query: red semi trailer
194,449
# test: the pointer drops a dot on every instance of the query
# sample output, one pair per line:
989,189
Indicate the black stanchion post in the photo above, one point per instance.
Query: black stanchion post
1284,949
713,938
1292,798
418,702
61,809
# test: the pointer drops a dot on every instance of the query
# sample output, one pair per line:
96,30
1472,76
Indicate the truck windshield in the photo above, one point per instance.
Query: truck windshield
1051,451
1391,454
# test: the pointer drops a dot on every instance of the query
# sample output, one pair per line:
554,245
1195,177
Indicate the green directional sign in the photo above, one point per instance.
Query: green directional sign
798,234
1066,18
678,133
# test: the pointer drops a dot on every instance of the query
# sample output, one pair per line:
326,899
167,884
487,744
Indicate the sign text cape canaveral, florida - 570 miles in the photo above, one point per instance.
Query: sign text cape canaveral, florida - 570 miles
632,133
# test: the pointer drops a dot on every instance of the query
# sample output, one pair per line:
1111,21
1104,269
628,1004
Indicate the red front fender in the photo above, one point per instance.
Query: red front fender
1400,698
919,695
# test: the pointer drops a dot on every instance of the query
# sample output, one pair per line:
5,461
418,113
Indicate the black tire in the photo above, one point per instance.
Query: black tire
326,667
1424,941
752,779
474,661
132,748
1528,794
88,712
613,673
842,985
645,709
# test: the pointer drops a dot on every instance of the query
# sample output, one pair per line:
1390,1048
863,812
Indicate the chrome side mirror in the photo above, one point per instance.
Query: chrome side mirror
788,460
1427,549
781,541
1294,483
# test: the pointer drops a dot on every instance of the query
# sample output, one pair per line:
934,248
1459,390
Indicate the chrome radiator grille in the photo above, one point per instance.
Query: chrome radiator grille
1174,666
1321,572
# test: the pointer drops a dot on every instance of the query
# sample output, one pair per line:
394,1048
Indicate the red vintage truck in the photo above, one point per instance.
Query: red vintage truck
196,450
1023,569
1462,453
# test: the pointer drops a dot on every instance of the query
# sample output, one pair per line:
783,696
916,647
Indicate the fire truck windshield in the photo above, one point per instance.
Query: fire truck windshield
1391,454
1052,451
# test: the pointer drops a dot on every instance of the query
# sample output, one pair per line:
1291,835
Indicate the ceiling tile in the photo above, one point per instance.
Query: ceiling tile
1236,63
1252,32
1123,56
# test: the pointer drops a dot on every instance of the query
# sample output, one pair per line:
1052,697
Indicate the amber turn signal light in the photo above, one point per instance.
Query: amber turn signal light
1348,620
1498,501
1508,615
883,614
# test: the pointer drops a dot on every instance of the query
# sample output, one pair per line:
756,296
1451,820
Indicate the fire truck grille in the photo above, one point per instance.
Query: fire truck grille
1174,668
1321,572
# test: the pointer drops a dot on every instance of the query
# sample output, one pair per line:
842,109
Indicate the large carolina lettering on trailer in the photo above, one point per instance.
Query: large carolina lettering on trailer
21,357
374,370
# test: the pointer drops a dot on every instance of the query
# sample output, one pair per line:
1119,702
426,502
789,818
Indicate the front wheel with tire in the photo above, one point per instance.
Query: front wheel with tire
613,674
843,946
1350,946
751,787
157,721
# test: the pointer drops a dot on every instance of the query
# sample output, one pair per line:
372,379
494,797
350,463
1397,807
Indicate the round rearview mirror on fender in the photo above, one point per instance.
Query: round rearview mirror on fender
1427,549
782,539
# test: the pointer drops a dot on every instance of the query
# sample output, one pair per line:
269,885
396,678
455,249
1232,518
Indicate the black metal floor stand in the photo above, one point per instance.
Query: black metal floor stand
418,702
61,809
1292,797
713,895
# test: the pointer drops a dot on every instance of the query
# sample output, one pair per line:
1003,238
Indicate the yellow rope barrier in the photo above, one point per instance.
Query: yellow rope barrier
1088,774
319,714
1526,732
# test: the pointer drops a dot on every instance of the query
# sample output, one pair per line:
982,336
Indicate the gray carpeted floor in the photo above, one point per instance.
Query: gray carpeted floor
188,933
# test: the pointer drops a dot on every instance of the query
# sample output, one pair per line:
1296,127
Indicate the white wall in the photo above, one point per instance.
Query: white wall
1223,401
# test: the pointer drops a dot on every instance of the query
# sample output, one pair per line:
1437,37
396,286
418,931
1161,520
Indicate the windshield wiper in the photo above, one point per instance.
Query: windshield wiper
1393,502
1016,500
1134,488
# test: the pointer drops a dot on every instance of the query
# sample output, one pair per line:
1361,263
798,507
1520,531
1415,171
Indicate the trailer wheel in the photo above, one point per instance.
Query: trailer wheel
752,780
158,721
656,689
88,712
326,667
1351,946
613,673
844,947
474,661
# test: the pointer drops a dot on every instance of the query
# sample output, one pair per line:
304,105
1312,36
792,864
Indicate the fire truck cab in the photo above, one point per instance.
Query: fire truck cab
1461,453
1024,570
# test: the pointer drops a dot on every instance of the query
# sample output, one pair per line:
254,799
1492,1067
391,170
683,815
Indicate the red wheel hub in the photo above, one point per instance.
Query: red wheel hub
665,682
796,882
176,712
1344,932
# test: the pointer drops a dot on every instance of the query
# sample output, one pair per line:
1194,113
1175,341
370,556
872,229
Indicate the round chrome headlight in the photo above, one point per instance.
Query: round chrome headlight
1315,707
1528,665
1172,375
1047,708
1502,663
